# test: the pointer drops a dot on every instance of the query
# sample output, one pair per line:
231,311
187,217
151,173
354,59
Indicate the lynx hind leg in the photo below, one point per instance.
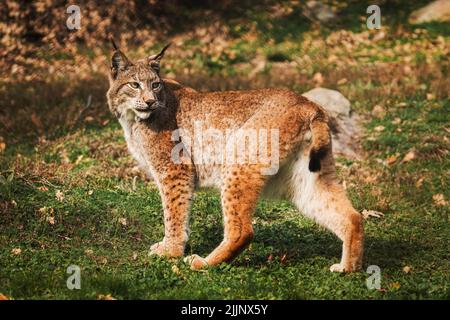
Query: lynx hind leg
240,191
319,196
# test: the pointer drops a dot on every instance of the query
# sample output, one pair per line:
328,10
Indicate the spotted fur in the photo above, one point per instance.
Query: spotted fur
306,176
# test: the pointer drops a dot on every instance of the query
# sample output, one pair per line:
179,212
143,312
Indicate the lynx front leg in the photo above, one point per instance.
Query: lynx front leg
176,189
240,192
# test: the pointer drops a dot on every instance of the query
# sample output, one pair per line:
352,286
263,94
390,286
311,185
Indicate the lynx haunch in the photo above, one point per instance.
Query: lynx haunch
151,108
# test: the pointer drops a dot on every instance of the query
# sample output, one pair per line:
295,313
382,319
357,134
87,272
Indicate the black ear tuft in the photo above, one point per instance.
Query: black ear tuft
160,55
155,60
114,44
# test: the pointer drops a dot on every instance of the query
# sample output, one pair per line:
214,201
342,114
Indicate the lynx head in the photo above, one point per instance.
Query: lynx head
136,88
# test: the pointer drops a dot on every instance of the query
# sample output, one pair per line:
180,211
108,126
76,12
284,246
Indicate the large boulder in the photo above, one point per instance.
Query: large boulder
438,10
344,123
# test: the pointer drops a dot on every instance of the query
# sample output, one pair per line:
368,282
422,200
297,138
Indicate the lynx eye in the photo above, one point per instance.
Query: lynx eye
156,85
134,85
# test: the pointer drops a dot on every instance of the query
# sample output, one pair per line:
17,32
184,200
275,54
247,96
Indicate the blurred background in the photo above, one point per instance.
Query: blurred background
47,68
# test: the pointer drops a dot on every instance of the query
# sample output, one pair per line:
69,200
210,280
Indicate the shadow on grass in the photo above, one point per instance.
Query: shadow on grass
299,243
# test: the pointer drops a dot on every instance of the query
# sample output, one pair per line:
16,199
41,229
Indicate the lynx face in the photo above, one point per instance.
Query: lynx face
136,88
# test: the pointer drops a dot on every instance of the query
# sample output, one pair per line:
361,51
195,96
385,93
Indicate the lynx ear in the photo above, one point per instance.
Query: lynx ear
119,61
155,60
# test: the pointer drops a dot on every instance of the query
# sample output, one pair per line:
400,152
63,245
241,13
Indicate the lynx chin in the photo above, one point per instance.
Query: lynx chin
151,108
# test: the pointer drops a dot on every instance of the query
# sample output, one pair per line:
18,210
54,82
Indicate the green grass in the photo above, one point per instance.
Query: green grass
110,215
114,257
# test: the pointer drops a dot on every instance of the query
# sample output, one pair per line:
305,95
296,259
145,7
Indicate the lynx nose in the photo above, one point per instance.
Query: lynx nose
150,103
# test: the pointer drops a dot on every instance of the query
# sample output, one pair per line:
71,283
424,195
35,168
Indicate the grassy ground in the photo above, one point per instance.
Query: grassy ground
70,195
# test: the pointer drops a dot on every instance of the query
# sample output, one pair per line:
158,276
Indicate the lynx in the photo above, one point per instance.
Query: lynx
151,108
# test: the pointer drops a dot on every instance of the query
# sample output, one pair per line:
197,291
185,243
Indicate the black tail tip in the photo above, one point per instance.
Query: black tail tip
315,157
314,165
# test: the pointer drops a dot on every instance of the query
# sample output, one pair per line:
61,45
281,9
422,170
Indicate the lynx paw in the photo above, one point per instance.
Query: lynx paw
161,249
196,262
337,268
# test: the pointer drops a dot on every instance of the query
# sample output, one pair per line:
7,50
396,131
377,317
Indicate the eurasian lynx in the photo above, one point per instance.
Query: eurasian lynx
151,109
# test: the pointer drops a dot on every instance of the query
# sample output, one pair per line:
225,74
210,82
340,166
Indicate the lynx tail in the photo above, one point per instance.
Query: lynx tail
321,140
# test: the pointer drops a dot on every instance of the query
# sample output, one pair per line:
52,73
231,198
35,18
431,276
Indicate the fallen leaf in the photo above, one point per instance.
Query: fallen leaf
379,128
105,297
378,111
135,255
439,199
89,252
407,269
430,96
51,220
318,78
371,213
16,251
59,195
123,221
419,182
390,160
395,285
176,270
409,156
396,121
3,297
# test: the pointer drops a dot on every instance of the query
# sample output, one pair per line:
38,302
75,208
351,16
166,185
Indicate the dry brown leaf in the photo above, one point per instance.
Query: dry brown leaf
3,297
419,182
378,111
123,221
16,251
395,285
379,128
407,269
409,156
396,121
59,195
51,220
318,78
371,213
105,297
176,270
391,160
439,199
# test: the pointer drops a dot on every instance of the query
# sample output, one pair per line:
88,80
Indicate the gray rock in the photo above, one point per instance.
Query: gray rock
345,125
438,10
317,10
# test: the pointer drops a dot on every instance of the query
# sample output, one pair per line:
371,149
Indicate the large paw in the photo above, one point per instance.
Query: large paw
196,262
161,249
337,268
